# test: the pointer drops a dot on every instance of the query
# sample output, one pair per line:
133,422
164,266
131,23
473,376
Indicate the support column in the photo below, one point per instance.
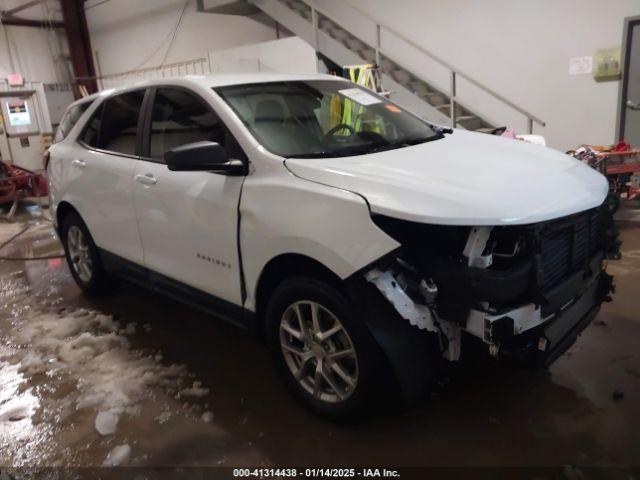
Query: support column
79,43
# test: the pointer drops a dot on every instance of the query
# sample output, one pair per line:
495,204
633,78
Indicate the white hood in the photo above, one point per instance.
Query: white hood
465,178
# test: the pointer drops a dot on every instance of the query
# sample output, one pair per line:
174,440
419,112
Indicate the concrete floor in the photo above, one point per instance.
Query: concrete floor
481,414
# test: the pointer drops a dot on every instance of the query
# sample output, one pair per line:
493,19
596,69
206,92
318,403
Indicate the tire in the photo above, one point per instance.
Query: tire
613,202
333,399
83,256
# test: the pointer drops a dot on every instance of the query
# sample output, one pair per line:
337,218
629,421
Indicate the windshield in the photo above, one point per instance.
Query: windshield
323,118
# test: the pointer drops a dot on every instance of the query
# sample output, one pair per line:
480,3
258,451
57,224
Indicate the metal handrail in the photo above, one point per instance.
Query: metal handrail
454,72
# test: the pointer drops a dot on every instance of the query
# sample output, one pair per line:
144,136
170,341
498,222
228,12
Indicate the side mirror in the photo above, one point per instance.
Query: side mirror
202,156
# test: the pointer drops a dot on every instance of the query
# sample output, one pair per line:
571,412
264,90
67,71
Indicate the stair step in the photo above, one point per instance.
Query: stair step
470,122
353,43
300,8
430,94
366,54
403,77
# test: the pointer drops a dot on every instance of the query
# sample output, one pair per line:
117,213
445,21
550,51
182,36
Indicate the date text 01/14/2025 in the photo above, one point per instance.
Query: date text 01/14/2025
316,473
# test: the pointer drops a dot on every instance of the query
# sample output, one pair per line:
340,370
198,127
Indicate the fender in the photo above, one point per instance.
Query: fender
282,213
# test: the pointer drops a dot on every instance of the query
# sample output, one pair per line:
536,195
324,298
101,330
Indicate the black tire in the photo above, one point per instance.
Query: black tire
613,202
97,282
374,380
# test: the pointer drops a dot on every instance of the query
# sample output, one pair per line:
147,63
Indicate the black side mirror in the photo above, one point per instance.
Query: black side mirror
202,156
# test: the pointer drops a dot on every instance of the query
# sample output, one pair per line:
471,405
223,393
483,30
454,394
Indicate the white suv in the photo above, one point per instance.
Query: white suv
362,241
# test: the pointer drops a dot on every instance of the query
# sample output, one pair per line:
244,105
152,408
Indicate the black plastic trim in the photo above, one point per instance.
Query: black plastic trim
203,301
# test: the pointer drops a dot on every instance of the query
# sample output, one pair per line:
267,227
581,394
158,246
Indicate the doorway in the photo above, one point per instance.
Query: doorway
629,106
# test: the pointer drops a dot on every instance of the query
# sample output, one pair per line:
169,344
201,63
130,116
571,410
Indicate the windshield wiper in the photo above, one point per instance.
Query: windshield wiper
379,146
441,130
319,154
405,143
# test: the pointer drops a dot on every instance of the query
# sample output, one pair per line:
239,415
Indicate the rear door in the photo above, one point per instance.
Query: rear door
188,220
101,174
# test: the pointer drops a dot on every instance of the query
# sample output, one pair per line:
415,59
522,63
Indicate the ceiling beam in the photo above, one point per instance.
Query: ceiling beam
25,22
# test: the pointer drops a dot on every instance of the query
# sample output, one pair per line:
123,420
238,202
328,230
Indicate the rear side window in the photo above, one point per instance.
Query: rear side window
70,119
114,124
180,117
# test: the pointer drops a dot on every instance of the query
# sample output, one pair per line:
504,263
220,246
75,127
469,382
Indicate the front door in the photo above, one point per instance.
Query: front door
630,125
188,220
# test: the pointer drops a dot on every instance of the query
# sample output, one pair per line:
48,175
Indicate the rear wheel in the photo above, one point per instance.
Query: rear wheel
324,354
82,255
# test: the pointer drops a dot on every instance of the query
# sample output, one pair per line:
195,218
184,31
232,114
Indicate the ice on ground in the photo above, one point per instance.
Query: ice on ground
119,455
195,391
106,422
163,417
14,413
207,417
32,364
92,349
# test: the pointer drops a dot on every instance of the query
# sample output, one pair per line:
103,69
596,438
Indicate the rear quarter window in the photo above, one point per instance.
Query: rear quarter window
70,118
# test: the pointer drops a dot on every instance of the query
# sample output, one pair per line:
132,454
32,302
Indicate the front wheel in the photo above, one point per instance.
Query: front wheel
325,356
82,255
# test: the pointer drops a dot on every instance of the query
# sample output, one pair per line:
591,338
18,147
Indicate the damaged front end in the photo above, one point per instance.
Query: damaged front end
525,290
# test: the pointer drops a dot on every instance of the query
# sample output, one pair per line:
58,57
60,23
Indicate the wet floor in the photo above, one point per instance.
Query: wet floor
174,387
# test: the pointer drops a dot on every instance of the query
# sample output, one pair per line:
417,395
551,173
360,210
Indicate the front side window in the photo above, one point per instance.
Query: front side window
323,118
180,117
114,124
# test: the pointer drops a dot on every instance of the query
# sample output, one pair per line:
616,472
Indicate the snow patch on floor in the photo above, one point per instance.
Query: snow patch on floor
196,390
93,349
119,455
106,422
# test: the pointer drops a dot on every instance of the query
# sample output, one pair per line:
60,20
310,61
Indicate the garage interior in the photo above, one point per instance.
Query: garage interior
135,379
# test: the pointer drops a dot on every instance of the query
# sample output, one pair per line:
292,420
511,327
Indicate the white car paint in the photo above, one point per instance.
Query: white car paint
316,208
99,186
183,214
187,223
467,178
285,214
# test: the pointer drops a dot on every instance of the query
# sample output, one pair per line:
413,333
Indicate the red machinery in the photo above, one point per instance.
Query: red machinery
619,163
17,183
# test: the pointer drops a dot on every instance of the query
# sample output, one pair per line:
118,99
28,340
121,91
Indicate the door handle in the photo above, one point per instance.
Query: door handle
147,179
79,163
633,105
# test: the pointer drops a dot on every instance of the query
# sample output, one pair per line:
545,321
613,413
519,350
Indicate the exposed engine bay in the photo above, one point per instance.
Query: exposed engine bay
520,288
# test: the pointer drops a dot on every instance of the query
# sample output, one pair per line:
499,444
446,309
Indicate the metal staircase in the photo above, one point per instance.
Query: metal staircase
329,36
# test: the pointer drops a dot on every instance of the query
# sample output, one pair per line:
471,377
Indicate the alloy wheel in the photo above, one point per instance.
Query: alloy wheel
318,351
79,253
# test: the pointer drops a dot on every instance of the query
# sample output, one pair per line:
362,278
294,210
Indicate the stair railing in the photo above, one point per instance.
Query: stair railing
454,73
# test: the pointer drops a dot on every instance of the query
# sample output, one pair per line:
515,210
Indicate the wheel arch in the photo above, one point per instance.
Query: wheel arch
290,265
63,209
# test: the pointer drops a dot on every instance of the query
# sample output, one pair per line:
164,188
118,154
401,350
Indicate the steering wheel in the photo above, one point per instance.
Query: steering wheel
340,126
